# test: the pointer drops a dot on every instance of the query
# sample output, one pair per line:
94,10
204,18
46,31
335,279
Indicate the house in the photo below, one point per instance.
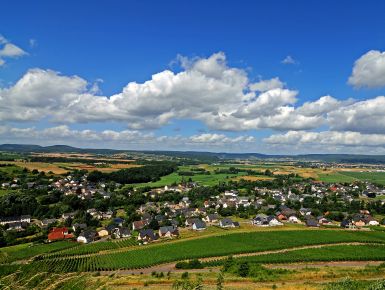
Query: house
46,222
260,220
168,232
87,237
198,225
68,215
25,219
77,226
190,221
228,223
5,185
59,234
281,217
15,219
358,222
272,221
121,232
324,221
211,218
373,223
305,211
138,225
294,220
346,224
147,235
103,233
118,221
16,226
312,223
160,218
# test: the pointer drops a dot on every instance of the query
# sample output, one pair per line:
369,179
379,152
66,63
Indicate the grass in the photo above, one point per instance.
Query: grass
28,250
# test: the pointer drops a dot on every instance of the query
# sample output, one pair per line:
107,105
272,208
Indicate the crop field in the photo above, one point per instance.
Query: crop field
204,247
328,253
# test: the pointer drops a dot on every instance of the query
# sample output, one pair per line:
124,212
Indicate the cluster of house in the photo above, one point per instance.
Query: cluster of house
360,220
81,188
16,223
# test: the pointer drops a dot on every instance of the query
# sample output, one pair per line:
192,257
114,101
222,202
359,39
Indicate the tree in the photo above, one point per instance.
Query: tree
243,269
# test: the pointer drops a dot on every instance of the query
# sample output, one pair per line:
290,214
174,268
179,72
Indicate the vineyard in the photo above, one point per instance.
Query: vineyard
93,248
199,248
327,253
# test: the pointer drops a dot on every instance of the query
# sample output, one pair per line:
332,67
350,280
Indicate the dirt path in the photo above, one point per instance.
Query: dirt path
324,264
170,267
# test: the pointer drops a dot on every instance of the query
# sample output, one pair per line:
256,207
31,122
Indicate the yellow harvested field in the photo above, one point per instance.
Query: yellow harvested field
252,178
79,156
60,168
110,168
40,166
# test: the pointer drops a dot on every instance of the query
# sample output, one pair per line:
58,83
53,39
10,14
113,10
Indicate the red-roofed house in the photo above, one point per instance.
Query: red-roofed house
59,234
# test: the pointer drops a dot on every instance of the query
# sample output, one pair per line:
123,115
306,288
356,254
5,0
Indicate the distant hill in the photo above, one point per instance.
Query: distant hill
212,156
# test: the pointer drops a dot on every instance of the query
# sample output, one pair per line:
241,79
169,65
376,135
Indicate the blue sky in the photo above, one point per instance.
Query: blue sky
113,43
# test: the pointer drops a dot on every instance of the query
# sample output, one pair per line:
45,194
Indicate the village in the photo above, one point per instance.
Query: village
153,220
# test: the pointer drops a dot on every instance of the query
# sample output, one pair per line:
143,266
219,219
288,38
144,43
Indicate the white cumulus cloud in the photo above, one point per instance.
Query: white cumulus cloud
369,70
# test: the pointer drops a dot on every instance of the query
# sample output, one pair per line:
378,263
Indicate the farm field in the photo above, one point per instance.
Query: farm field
62,168
204,247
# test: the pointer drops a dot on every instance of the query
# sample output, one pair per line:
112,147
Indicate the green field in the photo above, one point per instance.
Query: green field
202,179
375,177
204,247
335,177
351,176
329,253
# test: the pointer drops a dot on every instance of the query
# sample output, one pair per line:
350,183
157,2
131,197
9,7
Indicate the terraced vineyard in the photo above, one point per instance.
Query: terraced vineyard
200,248
94,248
329,253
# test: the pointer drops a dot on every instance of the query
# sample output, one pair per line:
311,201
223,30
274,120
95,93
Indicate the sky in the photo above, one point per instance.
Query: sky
276,77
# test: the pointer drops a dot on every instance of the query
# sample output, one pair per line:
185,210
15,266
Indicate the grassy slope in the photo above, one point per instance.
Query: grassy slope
28,250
